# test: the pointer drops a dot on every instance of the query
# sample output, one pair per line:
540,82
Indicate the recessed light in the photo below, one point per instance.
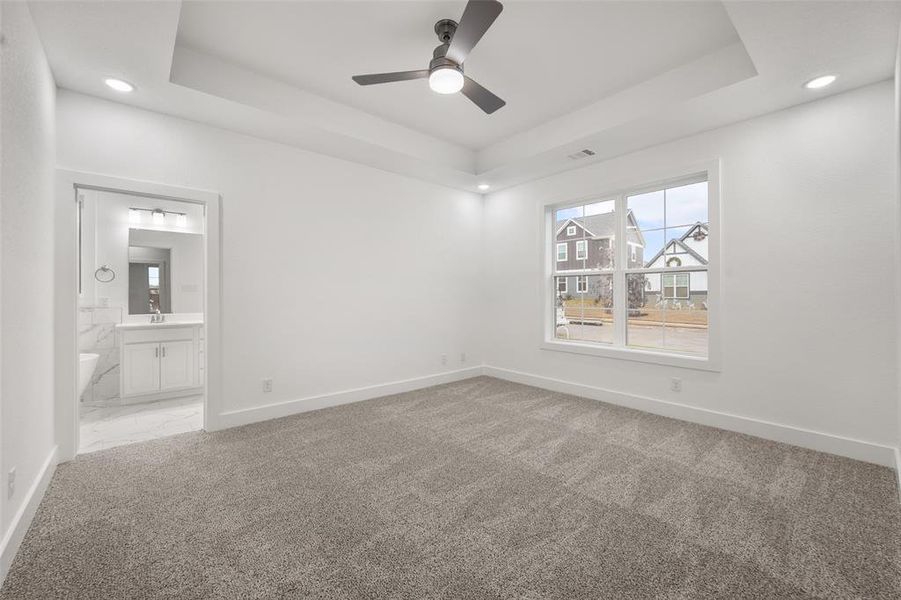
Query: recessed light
819,82
119,85
484,187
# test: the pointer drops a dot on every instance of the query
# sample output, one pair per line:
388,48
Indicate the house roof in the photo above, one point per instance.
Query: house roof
681,244
601,226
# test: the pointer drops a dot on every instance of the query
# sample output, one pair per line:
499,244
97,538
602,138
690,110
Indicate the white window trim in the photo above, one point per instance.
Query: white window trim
565,251
581,279
571,230
565,289
583,245
636,184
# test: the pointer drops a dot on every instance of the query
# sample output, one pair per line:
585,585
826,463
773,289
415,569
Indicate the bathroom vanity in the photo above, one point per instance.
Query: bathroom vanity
161,360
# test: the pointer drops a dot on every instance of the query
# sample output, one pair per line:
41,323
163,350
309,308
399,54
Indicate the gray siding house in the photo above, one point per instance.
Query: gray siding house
589,243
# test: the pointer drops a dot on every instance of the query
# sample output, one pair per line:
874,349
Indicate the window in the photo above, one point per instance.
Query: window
675,285
646,296
581,249
571,230
561,252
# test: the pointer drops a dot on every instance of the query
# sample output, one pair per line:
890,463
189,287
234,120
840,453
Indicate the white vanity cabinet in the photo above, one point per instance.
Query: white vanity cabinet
160,359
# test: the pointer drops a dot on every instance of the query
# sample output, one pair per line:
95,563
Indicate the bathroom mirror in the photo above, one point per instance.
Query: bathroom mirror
165,272
149,280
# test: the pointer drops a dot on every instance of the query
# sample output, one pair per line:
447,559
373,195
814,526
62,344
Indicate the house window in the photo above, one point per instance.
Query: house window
581,249
571,230
643,303
675,285
561,285
561,252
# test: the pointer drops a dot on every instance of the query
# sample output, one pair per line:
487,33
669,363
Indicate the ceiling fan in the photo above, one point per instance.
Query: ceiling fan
445,72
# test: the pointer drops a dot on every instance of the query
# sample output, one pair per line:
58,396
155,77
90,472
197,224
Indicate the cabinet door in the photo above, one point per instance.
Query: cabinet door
177,365
141,368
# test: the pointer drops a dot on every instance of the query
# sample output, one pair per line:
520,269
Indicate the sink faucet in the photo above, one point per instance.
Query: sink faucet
157,317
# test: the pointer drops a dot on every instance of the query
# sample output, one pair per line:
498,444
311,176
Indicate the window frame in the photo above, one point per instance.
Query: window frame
570,230
641,181
675,286
565,281
565,251
584,247
581,284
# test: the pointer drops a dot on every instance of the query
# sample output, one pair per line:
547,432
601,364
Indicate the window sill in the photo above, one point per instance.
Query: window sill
645,356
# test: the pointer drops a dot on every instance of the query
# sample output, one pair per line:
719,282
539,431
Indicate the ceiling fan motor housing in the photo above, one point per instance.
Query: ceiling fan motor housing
445,29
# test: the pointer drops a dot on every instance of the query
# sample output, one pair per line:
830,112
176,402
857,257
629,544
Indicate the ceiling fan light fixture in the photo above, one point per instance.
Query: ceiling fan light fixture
446,80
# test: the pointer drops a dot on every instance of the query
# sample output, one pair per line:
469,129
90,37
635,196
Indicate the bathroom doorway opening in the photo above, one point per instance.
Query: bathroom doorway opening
142,318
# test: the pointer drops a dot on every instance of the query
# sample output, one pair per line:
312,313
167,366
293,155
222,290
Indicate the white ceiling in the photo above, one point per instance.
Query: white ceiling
544,60
611,76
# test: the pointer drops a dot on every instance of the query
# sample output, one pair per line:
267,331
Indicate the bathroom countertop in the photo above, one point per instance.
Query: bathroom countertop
163,325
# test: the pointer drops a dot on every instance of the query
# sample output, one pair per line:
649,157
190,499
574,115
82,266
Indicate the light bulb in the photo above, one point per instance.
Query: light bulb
159,217
819,82
119,85
134,215
181,220
446,80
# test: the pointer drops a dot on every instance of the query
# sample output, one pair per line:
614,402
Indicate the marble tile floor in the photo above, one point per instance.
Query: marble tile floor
112,426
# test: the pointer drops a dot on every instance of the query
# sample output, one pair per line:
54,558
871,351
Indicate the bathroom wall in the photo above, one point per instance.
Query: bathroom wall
107,232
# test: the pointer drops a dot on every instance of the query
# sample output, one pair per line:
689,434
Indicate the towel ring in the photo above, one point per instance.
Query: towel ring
104,274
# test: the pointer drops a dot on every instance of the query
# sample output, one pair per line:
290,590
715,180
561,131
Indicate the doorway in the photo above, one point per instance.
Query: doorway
144,313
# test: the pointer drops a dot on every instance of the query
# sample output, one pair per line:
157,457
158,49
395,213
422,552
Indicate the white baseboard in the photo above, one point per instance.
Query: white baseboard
796,436
898,471
290,407
22,519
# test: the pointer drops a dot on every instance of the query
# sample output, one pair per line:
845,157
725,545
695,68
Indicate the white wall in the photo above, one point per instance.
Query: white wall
26,317
809,332
335,276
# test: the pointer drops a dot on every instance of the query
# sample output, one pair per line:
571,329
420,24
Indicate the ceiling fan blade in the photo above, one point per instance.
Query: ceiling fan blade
390,77
481,97
477,18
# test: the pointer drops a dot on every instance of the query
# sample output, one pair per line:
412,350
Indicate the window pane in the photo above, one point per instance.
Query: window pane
668,312
586,313
671,226
686,205
584,236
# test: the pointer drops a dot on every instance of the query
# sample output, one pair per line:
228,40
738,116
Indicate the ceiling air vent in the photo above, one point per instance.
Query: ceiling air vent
581,154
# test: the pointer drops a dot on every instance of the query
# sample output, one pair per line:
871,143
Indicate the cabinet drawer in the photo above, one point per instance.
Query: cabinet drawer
168,334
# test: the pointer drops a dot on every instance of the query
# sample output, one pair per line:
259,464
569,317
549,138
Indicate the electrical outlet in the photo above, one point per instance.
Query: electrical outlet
444,359
462,357
267,385
11,483
675,384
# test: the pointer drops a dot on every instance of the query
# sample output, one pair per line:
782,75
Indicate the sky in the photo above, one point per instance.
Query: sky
676,209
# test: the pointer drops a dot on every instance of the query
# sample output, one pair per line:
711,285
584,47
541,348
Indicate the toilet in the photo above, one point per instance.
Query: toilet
87,362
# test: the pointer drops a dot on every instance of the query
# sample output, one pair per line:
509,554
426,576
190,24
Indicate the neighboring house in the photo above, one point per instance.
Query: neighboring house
688,251
588,243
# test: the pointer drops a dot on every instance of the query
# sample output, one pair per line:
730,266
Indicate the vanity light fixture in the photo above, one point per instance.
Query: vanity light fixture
119,85
157,216
820,82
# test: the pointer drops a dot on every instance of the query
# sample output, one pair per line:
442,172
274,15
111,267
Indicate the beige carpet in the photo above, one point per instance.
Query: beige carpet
477,489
